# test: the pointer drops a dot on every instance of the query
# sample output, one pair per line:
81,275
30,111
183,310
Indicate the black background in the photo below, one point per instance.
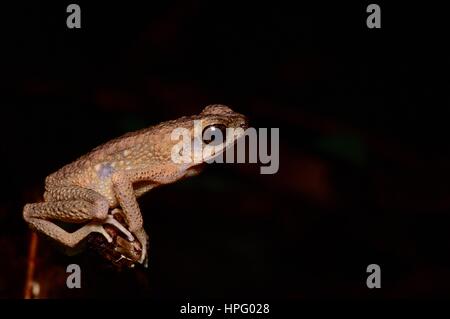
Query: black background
363,119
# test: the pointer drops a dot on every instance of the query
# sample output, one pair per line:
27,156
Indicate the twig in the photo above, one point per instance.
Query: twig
31,262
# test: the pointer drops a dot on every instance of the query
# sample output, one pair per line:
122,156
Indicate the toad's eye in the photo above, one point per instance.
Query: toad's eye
214,134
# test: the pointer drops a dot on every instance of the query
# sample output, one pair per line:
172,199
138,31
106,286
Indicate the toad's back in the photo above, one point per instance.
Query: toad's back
94,170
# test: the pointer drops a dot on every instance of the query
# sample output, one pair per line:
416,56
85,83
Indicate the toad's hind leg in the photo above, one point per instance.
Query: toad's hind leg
41,215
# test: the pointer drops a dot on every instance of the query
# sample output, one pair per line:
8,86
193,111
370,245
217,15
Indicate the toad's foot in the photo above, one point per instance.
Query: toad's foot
112,221
142,236
94,227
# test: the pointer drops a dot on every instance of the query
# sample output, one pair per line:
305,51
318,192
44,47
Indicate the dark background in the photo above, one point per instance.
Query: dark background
363,113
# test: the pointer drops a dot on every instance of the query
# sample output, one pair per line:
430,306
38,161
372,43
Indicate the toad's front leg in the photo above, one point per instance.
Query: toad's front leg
123,189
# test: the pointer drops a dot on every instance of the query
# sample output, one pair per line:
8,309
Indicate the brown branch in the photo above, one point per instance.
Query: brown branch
31,262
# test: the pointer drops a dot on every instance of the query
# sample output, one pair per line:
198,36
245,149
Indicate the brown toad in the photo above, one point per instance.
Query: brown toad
115,174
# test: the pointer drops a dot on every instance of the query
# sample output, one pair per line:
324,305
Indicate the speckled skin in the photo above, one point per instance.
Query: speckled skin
115,174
